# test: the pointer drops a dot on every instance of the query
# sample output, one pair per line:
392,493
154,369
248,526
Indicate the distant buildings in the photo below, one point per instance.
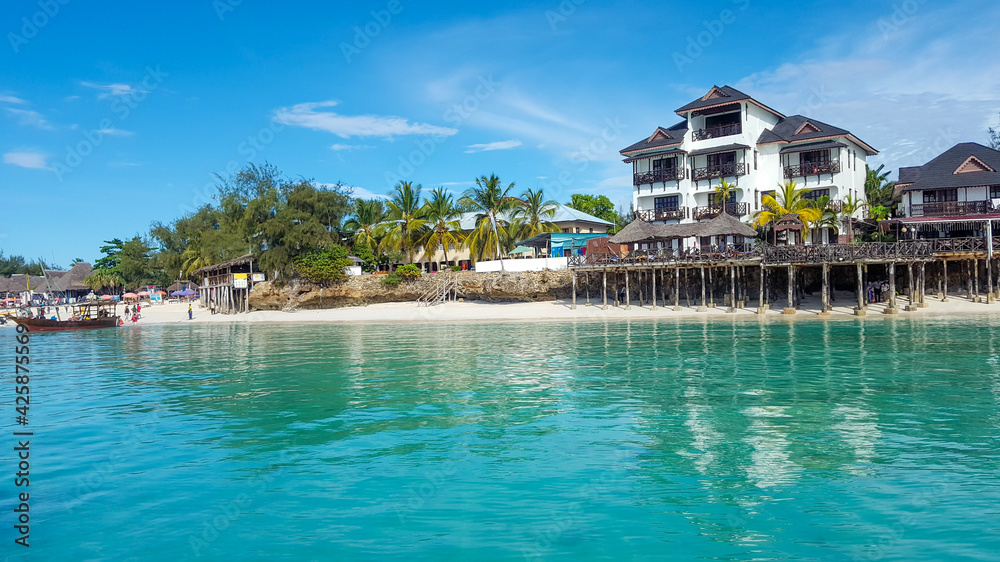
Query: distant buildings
727,135
54,284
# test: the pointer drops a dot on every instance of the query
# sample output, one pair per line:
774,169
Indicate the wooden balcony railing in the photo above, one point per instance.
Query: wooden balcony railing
950,208
814,169
712,211
671,213
730,170
717,131
658,176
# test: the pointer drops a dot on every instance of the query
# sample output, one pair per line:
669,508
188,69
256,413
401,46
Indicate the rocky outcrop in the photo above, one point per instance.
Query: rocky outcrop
368,289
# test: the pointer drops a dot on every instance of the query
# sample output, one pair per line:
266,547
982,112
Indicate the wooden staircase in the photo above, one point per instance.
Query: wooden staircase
445,289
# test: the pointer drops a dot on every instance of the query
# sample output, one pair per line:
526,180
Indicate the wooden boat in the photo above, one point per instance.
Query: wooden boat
89,315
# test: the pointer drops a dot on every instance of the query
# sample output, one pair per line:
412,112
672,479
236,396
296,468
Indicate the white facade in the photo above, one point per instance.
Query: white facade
727,135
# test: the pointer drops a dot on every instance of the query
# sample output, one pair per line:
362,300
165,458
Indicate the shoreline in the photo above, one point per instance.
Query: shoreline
550,311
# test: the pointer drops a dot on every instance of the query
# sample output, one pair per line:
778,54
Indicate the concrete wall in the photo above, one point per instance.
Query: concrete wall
531,264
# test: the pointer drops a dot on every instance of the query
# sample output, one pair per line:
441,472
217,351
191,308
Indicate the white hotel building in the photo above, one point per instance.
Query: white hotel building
727,135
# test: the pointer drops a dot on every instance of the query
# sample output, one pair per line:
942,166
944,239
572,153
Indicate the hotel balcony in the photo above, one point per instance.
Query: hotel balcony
812,169
658,176
717,132
730,170
667,214
951,209
712,211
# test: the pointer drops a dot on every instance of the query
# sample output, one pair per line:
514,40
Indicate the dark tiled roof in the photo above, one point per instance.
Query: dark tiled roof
790,130
812,146
940,172
673,137
908,175
729,95
718,149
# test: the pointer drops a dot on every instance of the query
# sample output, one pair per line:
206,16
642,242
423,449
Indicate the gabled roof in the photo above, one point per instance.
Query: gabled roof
719,96
959,166
661,138
722,225
792,148
799,128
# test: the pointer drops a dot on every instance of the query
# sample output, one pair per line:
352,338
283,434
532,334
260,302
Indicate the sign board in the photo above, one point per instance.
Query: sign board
240,280
156,298
258,277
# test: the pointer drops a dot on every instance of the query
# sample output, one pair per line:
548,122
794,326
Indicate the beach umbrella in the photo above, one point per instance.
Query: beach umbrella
161,292
144,293
188,292
106,297
130,295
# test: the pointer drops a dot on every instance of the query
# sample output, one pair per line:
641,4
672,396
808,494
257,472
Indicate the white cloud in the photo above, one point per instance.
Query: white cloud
110,90
363,193
33,160
350,147
502,145
123,164
29,118
10,99
112,132
347,126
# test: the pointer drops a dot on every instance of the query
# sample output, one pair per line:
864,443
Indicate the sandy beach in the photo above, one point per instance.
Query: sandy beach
176,313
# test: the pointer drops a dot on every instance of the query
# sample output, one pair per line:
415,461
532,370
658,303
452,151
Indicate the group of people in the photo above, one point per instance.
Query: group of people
135,313
878,291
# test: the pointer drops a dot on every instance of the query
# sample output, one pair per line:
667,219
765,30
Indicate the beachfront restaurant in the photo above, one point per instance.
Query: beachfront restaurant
225,287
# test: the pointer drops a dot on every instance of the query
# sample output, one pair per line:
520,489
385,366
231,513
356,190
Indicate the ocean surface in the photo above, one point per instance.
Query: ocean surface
854,439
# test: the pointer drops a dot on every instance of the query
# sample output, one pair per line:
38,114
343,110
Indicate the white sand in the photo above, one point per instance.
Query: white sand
553,310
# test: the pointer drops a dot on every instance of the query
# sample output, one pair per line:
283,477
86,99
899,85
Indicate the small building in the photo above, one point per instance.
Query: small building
226,287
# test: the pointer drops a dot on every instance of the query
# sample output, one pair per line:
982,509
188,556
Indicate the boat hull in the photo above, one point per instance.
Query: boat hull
41,325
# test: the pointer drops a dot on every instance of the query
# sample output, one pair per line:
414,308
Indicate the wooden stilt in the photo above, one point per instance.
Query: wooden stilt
711,289
653,281
968,278
732,289
860,309
944,293
990,299
790,309
702,308
891,305
760,301
573,306
628,298
825,290
975,280
605,291
677,289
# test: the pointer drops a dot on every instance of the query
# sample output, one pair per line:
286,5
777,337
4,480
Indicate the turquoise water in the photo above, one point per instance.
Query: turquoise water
722,440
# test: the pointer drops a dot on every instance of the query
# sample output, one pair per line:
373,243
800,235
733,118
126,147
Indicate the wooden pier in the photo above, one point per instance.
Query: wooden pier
736,271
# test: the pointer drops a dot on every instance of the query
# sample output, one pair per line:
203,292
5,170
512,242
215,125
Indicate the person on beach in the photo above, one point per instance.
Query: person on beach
190,313
621,294
138,308
126,311
135,318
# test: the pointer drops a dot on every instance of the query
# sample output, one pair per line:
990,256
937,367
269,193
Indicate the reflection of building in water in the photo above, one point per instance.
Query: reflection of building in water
704,437
860,432
769,462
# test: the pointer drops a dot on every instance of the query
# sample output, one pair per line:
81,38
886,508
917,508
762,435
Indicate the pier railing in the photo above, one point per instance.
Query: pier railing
914,250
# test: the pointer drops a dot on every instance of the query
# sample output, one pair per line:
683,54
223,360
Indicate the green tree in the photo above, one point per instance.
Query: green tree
323,266
595,205
723,192
363,225
443,226
789,199
491,202
533,215
850,207
994,135
879,191
405,220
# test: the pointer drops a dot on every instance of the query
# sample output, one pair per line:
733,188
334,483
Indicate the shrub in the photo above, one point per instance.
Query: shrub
391,279
323,266
409,272
454,268
880,213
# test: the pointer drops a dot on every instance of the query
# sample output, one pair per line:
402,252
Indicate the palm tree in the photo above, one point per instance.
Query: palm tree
788,200
100,278
848,209
444,228
828,216
879,191
491,202
723,192
194,258
364,224
534,215
405,219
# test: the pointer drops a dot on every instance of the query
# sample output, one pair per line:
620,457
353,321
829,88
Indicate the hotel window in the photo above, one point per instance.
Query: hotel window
731,199
721,159
995,192
817,193
941,196
665,164
668,203
755,160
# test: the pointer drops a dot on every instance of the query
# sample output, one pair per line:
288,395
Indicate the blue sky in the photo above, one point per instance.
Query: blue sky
116,117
